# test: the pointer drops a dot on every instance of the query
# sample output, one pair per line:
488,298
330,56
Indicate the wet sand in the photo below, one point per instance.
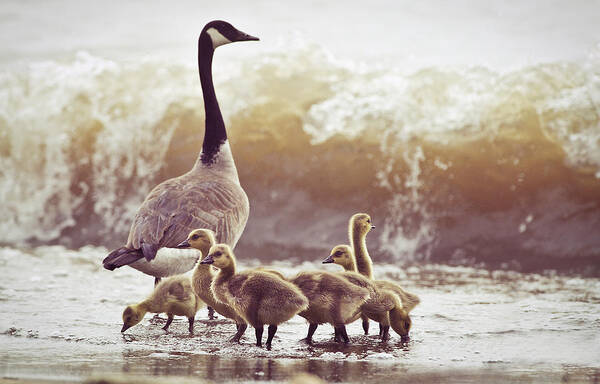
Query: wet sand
63,317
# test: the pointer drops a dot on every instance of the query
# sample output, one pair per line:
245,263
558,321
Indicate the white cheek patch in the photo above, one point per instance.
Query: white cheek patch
217,38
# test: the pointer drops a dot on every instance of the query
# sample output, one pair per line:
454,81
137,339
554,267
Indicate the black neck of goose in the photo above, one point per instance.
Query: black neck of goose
214,132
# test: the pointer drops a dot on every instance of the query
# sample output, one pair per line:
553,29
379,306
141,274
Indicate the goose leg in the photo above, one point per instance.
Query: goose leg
365,325
241,328
258,331
211,313
271,334
157,317
380,330
191,327
311,330
169,321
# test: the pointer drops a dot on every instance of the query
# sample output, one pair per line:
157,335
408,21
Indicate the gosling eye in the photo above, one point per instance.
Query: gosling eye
195,237
217,254
337,254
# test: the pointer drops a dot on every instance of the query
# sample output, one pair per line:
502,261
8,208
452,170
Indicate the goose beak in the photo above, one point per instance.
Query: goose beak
207,260
246,37
183,244
125,327
328,260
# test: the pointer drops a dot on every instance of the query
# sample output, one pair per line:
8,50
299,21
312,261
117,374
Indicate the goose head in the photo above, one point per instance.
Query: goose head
201,239
132,315
220,256
342,255
221,32
362,222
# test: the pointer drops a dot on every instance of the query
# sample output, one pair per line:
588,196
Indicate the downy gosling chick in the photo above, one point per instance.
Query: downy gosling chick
359,225
173,296
258,297
203,240
331,299
384,305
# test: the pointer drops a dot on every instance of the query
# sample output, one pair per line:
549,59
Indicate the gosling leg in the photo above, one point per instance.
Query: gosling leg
365,325
344,335
169,321
211,313
385,335
191,327
156,281
341,335
271,334
258,331
311,330
241,328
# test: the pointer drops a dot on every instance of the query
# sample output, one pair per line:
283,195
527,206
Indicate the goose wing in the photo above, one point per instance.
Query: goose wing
177,206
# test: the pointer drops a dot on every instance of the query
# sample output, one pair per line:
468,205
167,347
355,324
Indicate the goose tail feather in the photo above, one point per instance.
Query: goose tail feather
120,257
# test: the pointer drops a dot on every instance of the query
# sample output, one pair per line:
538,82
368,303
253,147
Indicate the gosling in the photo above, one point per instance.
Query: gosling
332,299
258,297
173,296
202,240
384,305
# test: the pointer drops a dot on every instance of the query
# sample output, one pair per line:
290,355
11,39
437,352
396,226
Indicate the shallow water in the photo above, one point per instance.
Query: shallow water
63,317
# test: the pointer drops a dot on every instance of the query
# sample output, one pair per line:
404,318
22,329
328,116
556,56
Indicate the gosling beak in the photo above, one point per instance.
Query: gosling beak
183,244
328,260
207,260
372,227
125,327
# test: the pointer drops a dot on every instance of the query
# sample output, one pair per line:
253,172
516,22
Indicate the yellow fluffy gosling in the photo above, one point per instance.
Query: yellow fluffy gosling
331,299
384,305
257,296
173,296
202,240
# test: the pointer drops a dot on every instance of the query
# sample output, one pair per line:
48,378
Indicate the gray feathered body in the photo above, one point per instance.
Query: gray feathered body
194,200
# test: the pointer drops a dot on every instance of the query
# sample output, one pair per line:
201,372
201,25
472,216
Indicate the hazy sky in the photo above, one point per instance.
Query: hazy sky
496,33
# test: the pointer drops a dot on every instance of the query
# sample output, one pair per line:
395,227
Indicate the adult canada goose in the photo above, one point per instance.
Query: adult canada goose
203,240
173,296
208,196
383,306
259,297
331,299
